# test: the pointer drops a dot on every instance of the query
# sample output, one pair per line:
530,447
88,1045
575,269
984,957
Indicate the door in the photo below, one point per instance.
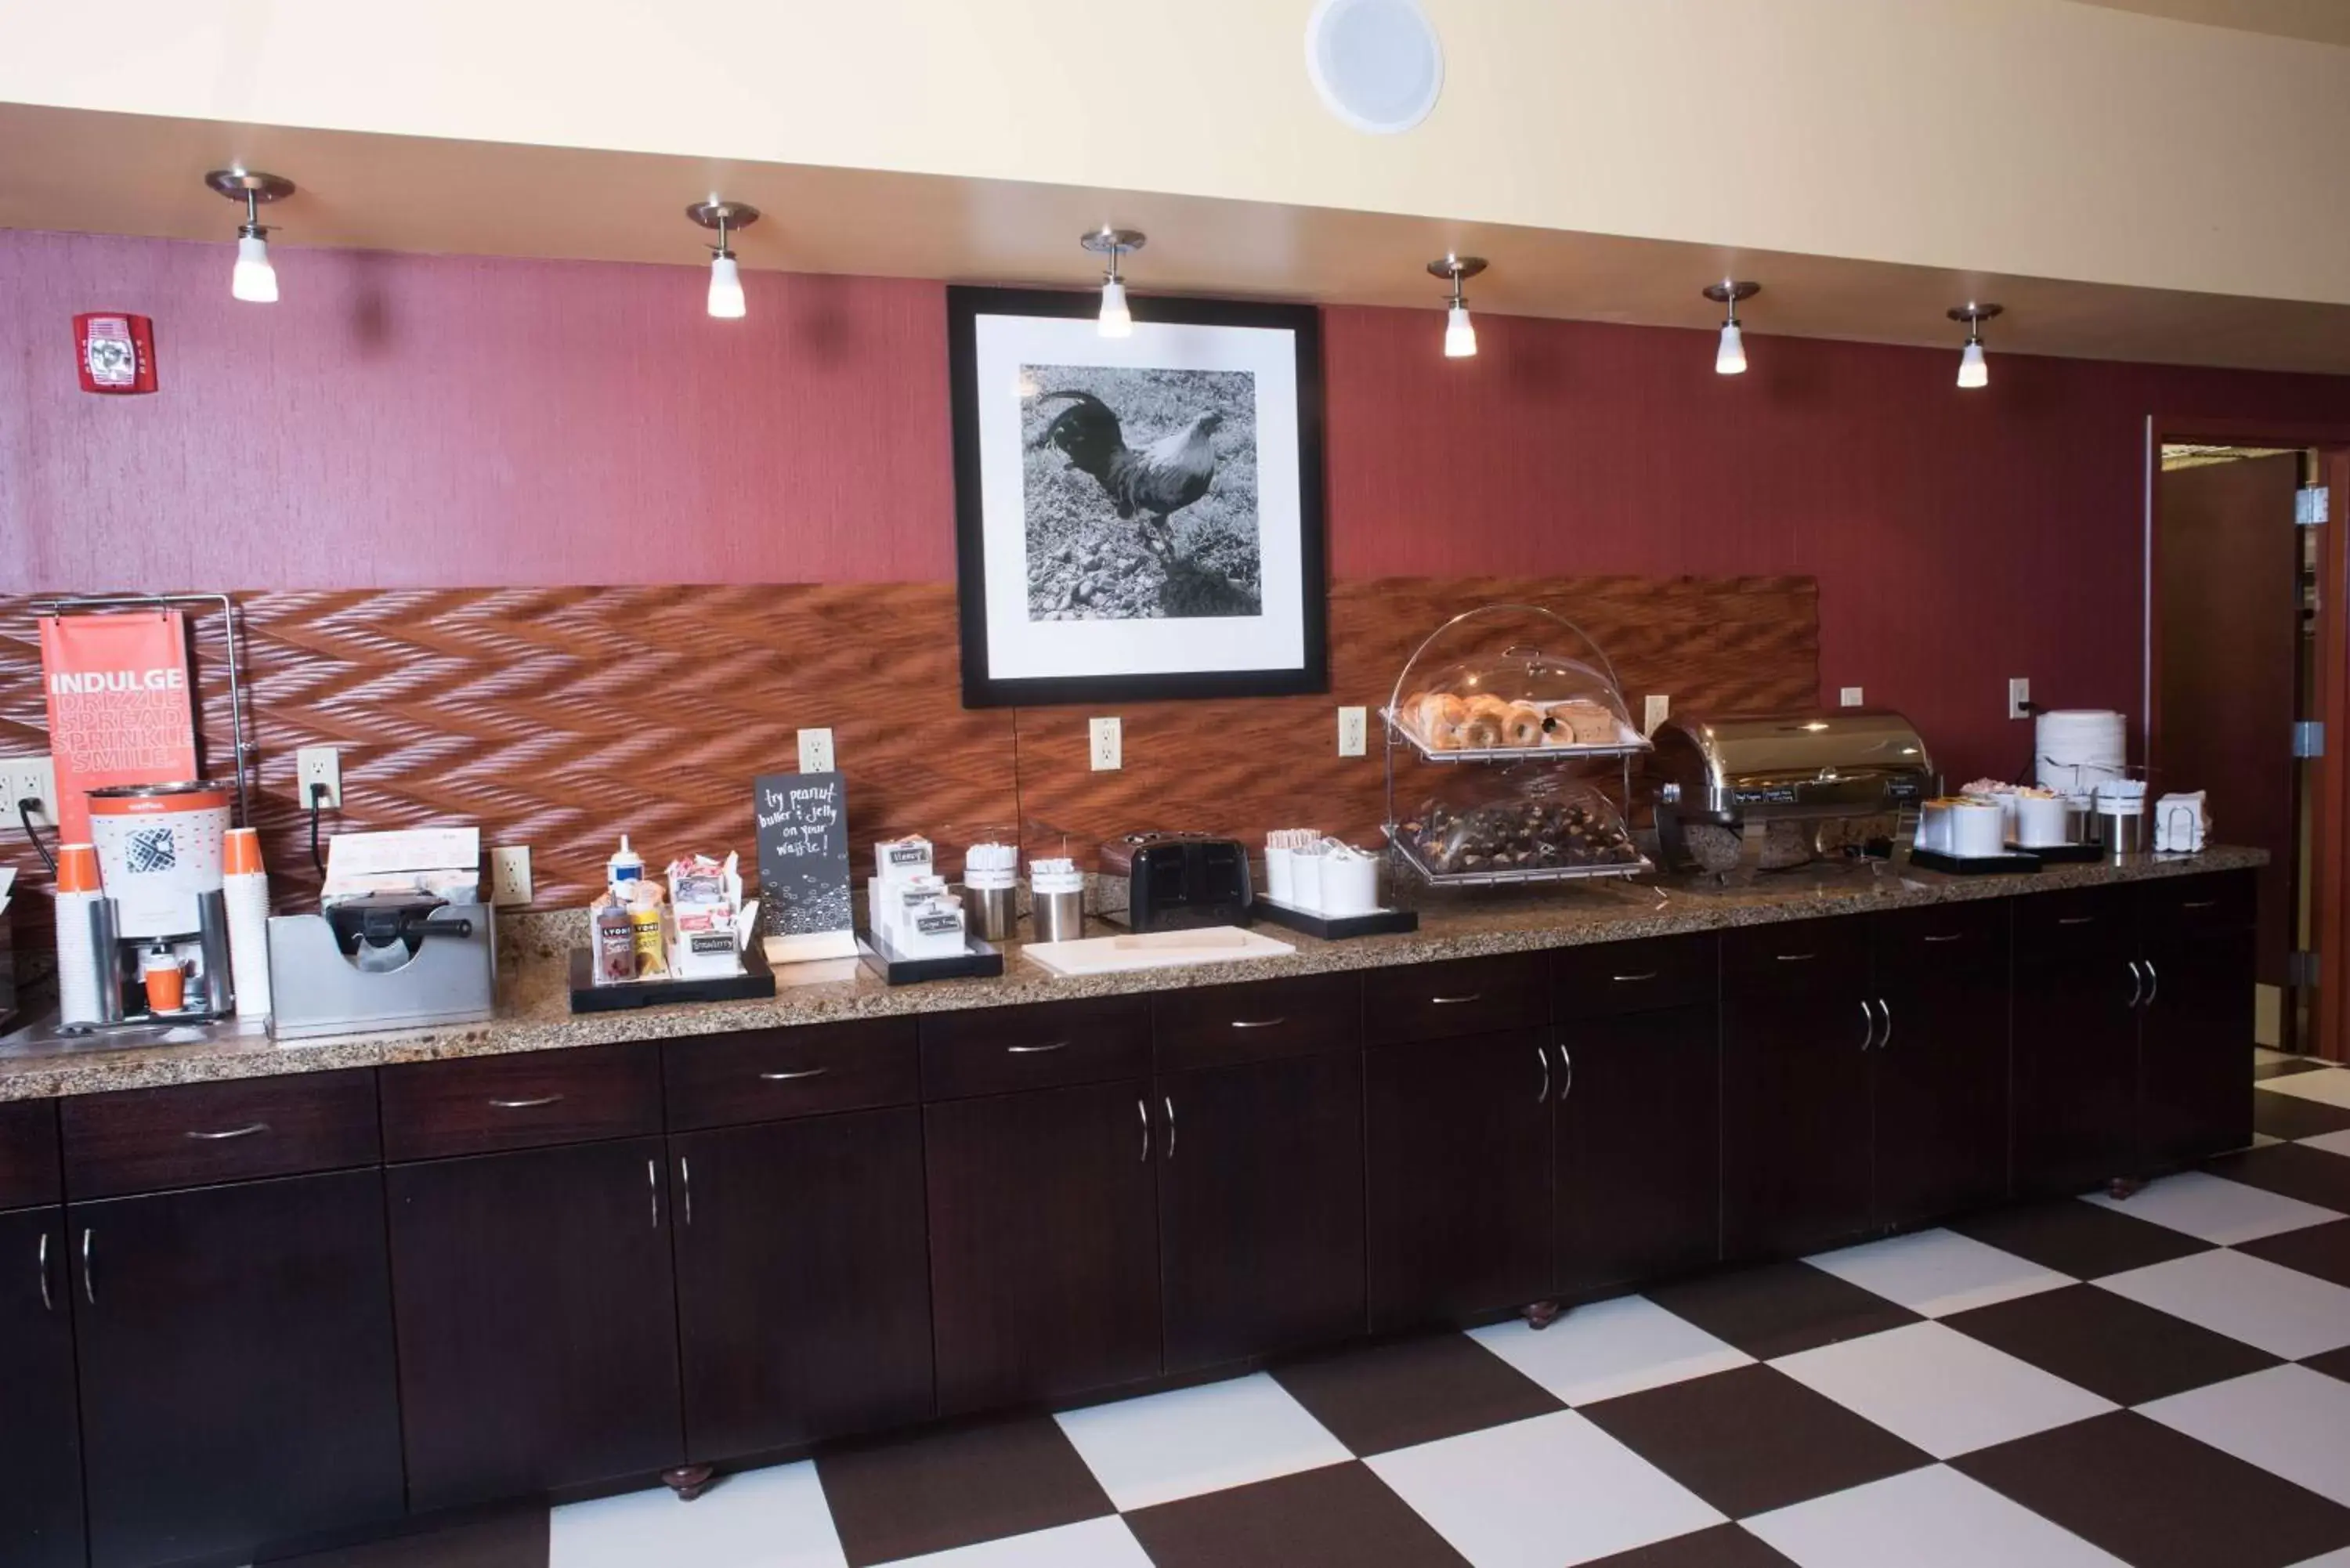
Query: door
537,1321
40,1438
2195,1021
1459,1142
803,1281
1261,1208
2074,1044
236,1366
1940,1065
1043,1242
1639,1147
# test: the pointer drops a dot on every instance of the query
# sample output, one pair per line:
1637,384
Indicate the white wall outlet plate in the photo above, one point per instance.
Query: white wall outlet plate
1655,708
30,778
2019,692
1851,697
318,765
510,876
1105,745
816,750
1353,731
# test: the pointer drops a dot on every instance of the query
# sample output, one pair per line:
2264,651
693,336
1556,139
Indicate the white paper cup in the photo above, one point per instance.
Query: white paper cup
1350,885
2040,821
1976,831
1305,879
1279,882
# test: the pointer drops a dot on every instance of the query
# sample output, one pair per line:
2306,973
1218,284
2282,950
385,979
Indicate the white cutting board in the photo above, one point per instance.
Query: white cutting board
1154,950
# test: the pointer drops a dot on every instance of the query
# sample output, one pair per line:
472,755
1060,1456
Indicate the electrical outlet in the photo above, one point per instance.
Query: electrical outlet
1655,708
1354,727
1852,697
816,750
1106,744
318,765
30,778
2019,694
510,876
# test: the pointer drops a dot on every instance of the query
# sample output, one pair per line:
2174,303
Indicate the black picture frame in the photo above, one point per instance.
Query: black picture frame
983,689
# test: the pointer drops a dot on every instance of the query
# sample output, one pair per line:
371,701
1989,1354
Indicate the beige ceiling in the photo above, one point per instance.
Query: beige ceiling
77,170
2316,21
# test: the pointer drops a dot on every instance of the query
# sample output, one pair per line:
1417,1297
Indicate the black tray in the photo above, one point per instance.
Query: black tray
2009,863
756,980
978,961
1331,927
2063,853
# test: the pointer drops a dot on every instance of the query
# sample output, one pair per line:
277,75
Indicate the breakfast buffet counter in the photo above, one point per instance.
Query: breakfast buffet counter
534,1010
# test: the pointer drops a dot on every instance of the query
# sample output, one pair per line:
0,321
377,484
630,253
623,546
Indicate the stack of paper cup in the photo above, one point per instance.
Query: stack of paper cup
2079,749
244,887
79,969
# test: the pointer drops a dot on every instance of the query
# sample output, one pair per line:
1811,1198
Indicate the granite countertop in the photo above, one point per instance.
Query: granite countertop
534,1000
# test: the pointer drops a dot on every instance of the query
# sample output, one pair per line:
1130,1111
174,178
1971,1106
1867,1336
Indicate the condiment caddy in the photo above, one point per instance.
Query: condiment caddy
687,940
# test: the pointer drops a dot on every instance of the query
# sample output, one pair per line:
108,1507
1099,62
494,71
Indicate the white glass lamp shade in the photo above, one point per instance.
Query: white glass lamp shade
1972,370
725,288
1730,359
254,279
1459,336
1116,321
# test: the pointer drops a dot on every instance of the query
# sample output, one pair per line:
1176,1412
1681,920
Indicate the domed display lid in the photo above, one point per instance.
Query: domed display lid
1518,701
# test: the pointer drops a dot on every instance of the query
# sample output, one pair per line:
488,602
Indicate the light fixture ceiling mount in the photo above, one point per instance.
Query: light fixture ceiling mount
1973,371
1460,333
253,278
725,277
1116,321
1729,356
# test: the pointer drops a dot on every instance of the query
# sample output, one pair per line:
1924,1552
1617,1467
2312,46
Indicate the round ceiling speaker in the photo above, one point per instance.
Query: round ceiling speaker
1376,64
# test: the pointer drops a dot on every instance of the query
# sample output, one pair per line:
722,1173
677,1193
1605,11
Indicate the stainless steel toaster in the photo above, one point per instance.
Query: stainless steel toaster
1801,778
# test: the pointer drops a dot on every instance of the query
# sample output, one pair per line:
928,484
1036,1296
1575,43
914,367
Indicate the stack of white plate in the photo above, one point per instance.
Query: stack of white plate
2079,749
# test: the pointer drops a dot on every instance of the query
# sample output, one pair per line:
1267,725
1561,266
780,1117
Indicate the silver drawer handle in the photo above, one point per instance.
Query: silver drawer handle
652,1180
2076,920
245,1131
1169,1102
1566,1062
1541,1060
2199,903
1259,1023
1632,979
1035,1050
1797,958
1950,937
685,1184
1144,1112
1456,1001
88,1280
2153,982
802,1072
529,1105
41,1262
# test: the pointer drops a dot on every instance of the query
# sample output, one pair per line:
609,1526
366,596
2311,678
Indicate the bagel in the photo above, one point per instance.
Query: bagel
1522,725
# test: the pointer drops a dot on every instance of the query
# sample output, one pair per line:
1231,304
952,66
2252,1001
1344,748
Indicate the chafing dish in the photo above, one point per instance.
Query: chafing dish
1781,788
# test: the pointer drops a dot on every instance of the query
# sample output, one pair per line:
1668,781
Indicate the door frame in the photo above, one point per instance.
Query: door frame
2329,893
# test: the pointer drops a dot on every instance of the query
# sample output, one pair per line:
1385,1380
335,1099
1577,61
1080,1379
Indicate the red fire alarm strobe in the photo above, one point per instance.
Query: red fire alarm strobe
115,352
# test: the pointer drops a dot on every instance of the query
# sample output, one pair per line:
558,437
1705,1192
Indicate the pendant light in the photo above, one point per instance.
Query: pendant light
1972,371
252,279
1730,356
1116,321
725,276
1460,333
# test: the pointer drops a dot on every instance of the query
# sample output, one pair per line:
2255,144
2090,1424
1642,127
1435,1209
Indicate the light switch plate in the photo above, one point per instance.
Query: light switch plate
30,778
1106,745
2019,692
318,765
1654,710
510,876
1353,731
816,750
1851,697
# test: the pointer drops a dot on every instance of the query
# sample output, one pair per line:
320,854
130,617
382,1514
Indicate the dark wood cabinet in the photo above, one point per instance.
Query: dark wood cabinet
238,1382
2074,1042
1043,1241
1458,1137
1261,1207
537,1320
803,1281
1940,1062
2195,1036
1639,1129
40,1435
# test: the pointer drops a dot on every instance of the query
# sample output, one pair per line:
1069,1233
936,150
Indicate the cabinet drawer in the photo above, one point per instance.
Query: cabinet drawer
1218,1026
769,1075
28,1154
144,1140
1608,978
2222,902
482,1103
1466,996
2073,924
999,1049
1944,943
1800,957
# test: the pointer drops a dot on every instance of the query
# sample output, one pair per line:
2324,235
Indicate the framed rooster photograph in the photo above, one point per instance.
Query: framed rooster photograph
1137,518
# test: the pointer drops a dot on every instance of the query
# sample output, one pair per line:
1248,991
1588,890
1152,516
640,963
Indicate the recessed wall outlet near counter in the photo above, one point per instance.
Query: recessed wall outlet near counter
1655,708
510,876
2019,697
816,750
1354,726
1851,697
1105,745
318,765
29,778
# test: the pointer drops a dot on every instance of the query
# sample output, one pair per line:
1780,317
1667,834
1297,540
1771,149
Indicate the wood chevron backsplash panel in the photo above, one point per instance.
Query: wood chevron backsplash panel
559,717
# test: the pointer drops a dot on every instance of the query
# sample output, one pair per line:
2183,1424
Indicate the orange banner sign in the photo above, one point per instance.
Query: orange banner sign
119,706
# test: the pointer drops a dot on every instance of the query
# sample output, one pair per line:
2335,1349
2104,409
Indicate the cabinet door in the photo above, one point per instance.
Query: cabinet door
1941,1062
804,1281
1043,1242
1261,1207
1795,1131
2195,1035
537,1321
1459,1144
2074,1047
40,1436
236,1366
1639,1147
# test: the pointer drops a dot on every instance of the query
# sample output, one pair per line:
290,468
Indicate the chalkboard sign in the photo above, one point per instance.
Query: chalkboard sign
804,909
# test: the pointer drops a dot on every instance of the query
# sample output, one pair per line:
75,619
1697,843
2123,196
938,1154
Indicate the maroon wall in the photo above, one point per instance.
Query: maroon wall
440,421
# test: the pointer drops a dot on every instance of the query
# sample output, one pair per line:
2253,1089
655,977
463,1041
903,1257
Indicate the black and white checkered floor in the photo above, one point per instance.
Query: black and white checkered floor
2163,1383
